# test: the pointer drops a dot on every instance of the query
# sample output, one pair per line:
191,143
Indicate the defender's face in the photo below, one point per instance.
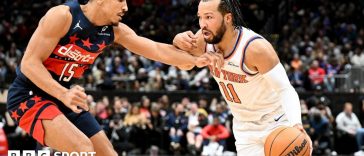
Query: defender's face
115,10
211,21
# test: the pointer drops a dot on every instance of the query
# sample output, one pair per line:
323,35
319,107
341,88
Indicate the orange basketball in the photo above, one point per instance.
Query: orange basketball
287,141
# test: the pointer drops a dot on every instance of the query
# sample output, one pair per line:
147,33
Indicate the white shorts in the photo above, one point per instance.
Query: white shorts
250,136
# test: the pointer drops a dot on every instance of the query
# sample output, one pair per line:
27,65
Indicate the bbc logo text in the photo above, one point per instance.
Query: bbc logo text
47,153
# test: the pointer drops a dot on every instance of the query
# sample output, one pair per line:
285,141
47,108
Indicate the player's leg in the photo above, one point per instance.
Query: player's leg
86,123
42,119
249,149
102,145
249,138
62,135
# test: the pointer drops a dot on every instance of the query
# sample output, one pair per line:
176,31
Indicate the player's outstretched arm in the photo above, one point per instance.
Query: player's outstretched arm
52,27
164,53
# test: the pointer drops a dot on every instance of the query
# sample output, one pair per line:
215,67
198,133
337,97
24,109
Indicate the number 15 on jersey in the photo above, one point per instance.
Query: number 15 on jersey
69,69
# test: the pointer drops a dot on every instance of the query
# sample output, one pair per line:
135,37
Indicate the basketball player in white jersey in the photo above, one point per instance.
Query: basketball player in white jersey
252,80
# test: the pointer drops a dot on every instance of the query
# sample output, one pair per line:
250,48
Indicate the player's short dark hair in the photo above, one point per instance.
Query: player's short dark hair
233,7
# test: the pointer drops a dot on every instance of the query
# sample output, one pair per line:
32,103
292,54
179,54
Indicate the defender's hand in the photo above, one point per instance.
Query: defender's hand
186,41
75,98
216,59
202,61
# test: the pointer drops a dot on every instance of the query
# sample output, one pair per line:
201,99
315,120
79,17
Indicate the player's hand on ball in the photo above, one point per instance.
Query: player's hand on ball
75,98
300,127
186,41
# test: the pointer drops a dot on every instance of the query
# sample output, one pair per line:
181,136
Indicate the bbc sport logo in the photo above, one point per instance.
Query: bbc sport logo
47,153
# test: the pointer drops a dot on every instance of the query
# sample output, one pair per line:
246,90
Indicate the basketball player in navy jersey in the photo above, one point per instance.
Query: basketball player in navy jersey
67,41
252,80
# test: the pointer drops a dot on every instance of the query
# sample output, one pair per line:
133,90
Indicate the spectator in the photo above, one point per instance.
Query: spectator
322,107
219,113
125,106
203,104
186,103
101,111
177,124
332,69
348,122
90,83
3,73
119,135
136,118
137,125
165,105
296,63
320,133
358,58
215,132
316,75
296,76
156,134
194,137
145,108
305,117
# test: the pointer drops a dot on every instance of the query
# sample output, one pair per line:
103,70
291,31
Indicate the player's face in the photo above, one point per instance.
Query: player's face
115,10
211,21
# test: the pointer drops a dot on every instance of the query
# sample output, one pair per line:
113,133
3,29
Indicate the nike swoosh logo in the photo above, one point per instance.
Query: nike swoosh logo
277,119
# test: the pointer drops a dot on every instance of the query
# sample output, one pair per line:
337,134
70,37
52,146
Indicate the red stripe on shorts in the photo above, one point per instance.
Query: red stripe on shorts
31,121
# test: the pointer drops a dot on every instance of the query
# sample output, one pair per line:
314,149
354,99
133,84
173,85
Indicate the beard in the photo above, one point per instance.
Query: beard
219,35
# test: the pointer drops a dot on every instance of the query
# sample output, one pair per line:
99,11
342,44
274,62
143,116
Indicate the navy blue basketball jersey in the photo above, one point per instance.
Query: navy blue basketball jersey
74,53
79,48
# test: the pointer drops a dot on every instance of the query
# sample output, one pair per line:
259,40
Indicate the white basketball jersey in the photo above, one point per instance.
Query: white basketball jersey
247,93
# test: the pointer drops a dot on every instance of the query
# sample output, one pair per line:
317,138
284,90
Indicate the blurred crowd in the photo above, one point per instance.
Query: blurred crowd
321,39
333,134
164,127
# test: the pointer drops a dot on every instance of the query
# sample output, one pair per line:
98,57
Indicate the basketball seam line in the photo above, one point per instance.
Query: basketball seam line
291,143
270,149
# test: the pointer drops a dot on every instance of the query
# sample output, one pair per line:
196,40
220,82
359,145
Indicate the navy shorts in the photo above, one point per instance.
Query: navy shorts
29,105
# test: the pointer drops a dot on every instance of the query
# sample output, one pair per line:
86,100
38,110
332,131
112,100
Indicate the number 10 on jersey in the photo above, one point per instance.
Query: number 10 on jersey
229,92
